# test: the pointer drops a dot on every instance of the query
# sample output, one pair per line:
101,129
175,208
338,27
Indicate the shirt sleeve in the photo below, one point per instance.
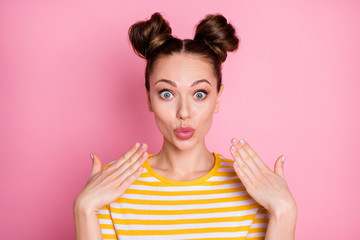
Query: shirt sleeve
106,223
259,225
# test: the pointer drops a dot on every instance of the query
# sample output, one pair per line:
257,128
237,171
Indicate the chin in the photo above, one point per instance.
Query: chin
184,144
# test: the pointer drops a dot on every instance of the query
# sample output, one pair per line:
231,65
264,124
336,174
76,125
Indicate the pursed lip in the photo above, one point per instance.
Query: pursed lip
184,129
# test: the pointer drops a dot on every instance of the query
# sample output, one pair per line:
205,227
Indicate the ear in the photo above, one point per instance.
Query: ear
148,101
218,99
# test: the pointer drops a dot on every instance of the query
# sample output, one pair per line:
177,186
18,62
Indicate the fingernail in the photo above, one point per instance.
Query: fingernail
137,145
242,141
92,157
143,146
235,141
283,158
235,163
233,149
144,154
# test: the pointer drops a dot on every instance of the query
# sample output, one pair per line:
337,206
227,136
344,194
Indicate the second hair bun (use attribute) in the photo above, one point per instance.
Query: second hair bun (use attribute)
147,36
213,30
218,34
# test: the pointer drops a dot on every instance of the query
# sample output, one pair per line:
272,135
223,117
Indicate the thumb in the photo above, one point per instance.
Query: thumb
96,167
279,166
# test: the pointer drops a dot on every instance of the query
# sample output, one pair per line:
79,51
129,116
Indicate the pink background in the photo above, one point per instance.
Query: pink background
71,85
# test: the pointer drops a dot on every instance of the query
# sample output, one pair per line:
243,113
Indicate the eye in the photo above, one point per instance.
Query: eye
165,93
200,94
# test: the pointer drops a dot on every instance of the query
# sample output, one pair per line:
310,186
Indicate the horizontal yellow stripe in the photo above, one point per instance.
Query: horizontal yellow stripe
261,220
183,221
225,174
256,238
183,193
207,183
184,211
106,226
257,230
109,236
104,216
183,202
182,231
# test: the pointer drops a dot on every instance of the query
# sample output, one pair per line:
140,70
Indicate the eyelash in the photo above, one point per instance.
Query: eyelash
201,90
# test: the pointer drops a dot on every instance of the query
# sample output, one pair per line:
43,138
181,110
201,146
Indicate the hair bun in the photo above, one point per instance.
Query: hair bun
218,34
147,36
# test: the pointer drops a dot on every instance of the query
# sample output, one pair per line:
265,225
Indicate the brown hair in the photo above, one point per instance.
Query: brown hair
214,37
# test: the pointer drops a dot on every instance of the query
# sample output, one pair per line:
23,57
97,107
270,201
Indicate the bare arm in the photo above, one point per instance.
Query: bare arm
282,225
86,224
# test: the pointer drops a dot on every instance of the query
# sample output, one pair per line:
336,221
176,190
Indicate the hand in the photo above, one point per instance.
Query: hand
268,188
104,187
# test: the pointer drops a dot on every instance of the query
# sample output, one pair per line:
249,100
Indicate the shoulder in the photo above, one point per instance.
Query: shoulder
224,160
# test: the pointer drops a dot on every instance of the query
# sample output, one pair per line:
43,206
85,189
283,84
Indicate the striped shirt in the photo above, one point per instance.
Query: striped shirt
214,206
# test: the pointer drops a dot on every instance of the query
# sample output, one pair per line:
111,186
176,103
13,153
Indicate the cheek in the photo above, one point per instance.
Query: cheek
163,114
161,109
207,107
205,116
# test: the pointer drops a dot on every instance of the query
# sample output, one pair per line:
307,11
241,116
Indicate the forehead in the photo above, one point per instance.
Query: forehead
183,69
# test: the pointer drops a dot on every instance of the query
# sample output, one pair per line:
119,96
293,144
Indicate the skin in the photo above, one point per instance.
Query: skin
183,105
268,188
184,160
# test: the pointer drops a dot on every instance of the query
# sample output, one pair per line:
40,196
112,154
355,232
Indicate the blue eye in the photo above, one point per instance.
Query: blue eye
199,94
166,94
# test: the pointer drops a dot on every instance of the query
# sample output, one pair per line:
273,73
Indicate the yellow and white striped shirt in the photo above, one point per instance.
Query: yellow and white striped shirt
214,206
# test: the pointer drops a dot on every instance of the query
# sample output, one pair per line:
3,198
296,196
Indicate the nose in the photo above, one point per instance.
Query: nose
183,111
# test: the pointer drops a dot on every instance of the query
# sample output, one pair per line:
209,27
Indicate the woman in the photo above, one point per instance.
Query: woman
185,191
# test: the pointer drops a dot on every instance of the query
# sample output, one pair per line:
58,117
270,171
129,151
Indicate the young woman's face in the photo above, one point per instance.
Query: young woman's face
183,94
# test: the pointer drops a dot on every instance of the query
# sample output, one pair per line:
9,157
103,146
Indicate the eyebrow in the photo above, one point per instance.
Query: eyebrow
174,84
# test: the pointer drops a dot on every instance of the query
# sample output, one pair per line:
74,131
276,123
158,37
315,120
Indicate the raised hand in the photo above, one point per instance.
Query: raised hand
268,188
104,187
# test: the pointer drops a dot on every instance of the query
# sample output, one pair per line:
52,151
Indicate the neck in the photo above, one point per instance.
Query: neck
179,162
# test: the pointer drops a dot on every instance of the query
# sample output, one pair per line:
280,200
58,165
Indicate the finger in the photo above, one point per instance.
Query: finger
96,167
130,179
242,175
132,159
242,165
243,155
128,169
124,157
250,152
131,152
279,166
